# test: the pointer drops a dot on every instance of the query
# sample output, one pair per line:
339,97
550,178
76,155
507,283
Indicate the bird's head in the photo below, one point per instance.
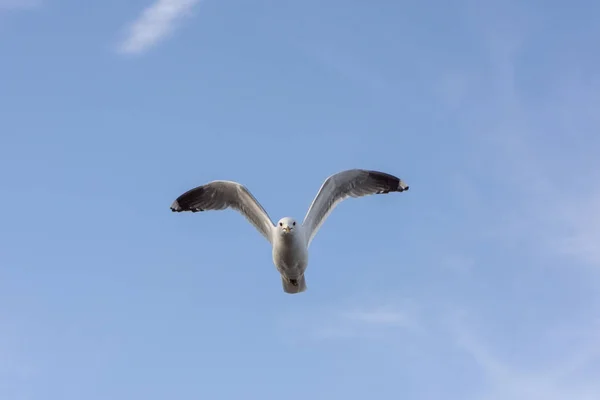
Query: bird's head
286,225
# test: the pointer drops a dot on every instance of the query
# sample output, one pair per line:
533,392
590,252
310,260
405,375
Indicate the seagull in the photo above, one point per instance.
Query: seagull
289,240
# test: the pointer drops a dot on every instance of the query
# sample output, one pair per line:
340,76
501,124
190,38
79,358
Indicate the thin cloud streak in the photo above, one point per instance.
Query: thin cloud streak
562,380
364,323
540,147
18,4
154,24
380,317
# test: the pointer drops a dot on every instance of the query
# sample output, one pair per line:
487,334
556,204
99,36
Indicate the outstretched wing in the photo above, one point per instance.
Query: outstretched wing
350,183
219,195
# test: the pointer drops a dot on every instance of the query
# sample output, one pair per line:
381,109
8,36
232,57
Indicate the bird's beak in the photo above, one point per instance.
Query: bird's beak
287,228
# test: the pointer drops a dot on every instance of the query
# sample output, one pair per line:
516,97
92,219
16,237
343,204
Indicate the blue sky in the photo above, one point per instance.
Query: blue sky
479,283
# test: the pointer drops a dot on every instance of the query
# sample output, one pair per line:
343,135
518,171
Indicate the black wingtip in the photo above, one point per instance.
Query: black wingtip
176,207
188,200
392,183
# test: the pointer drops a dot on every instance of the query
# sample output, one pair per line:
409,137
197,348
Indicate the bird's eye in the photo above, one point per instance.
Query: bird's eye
281,224
294,223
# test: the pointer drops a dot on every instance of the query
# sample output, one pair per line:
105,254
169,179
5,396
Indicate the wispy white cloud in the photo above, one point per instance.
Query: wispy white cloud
19,4
16,368
364,323
535,142
339,322
379,317
571,377
535,172
154,24
583,237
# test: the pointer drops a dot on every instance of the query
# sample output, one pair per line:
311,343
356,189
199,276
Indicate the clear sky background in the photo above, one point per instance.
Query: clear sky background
480,283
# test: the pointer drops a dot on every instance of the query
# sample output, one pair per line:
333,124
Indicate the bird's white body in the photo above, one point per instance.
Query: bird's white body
289,239
290,253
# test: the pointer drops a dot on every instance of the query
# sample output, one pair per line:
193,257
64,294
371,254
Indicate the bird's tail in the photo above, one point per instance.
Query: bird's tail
293,286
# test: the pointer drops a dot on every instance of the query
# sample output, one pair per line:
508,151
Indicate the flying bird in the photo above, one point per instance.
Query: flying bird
289,240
